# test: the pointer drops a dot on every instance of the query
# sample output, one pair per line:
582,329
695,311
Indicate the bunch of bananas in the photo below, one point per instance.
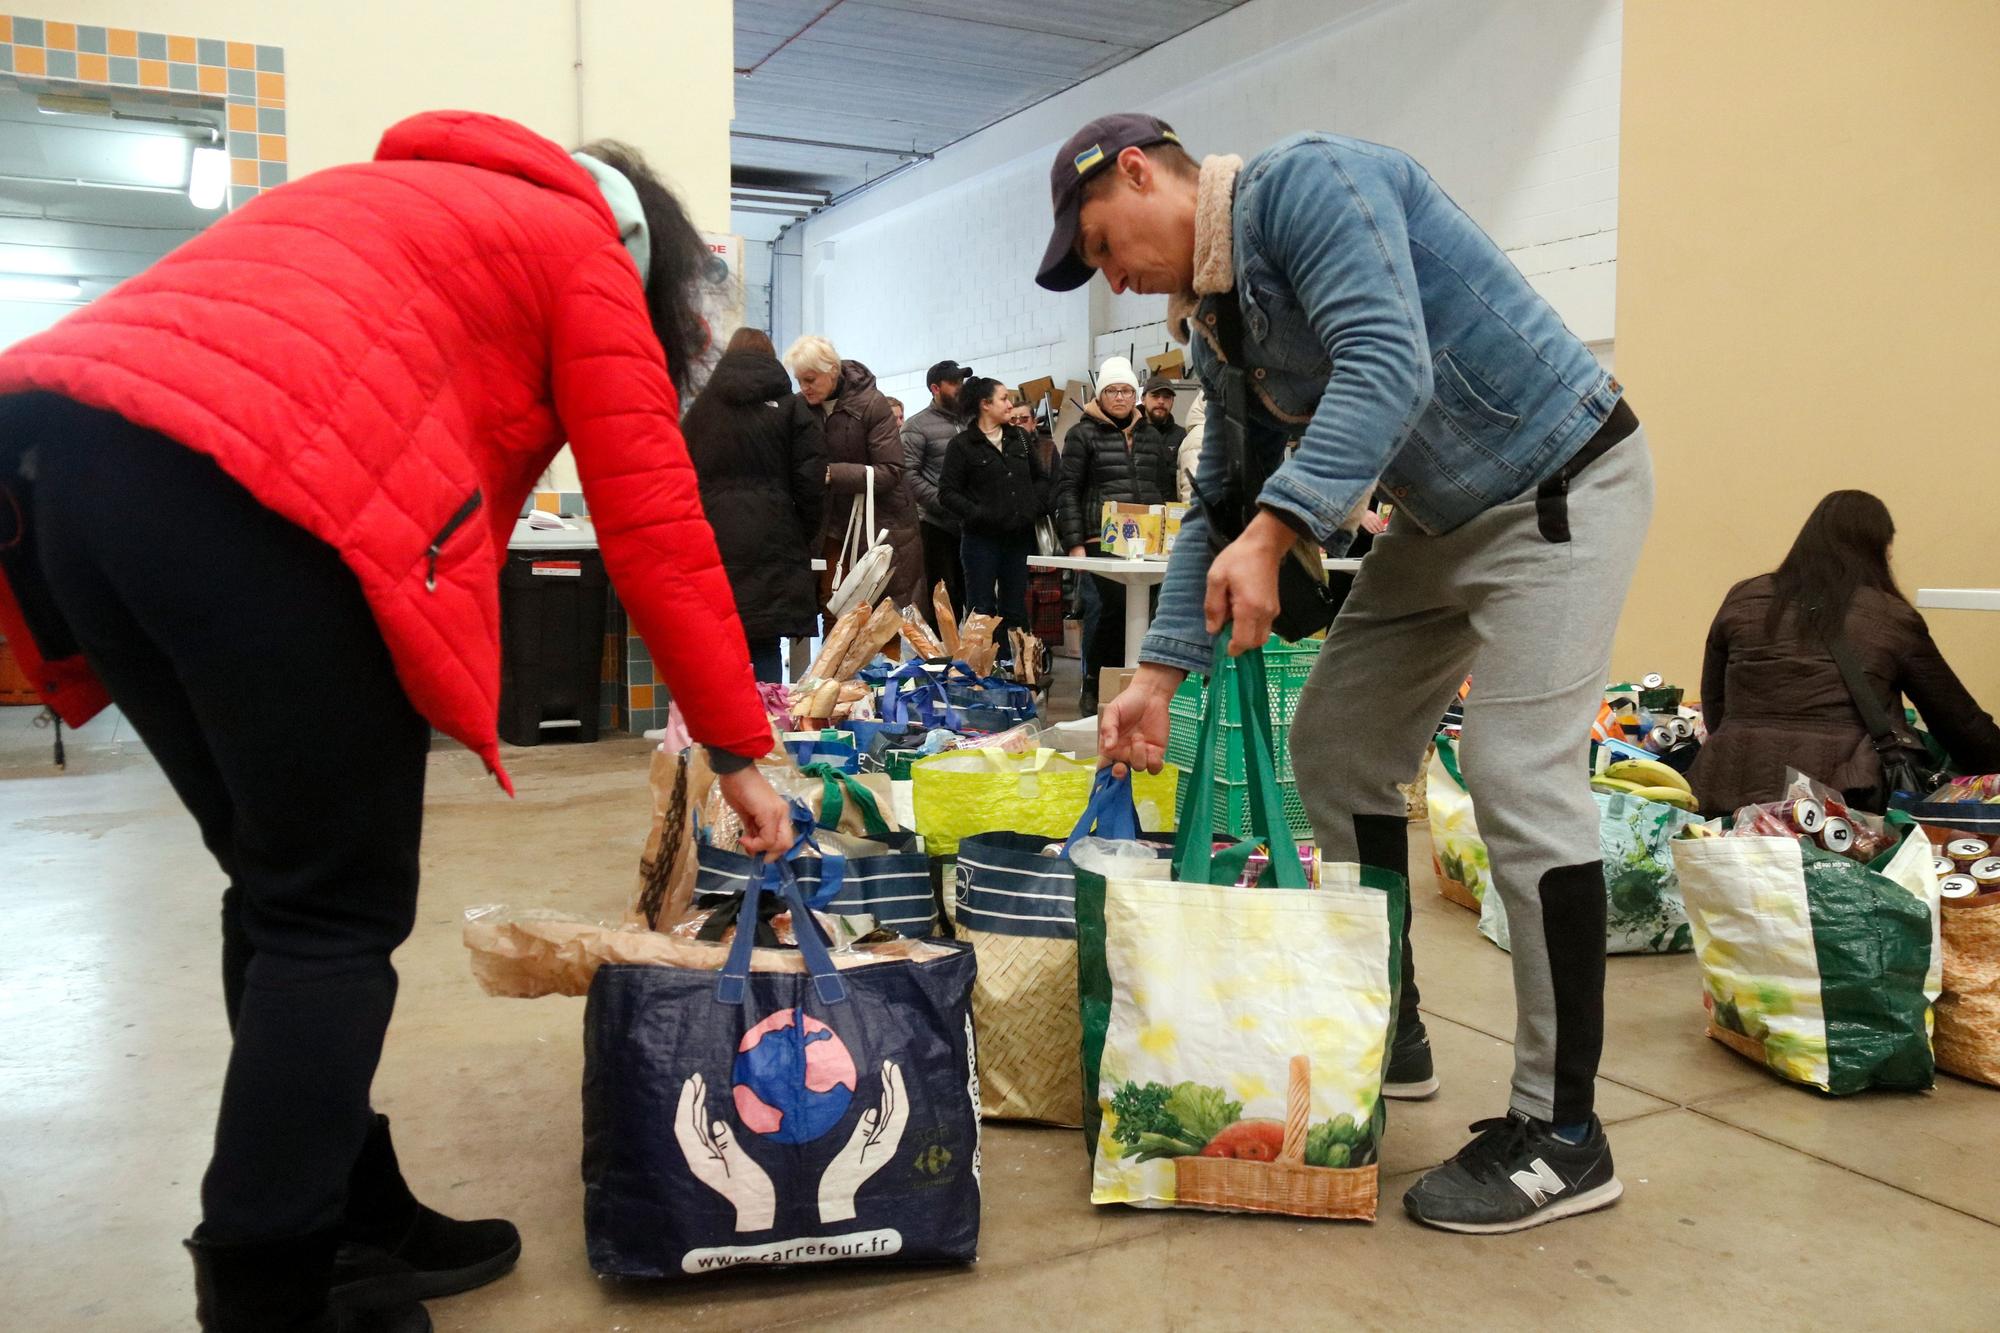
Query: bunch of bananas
1648,779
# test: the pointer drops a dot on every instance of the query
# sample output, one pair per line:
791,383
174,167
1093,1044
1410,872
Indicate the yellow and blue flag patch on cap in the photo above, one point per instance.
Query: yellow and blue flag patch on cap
1089,158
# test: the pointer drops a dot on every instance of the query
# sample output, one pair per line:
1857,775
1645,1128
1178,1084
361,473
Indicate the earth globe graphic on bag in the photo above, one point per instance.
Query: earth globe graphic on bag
793,1078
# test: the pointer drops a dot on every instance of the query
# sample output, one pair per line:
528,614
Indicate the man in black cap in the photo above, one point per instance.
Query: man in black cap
1158,405
925,436
1358,333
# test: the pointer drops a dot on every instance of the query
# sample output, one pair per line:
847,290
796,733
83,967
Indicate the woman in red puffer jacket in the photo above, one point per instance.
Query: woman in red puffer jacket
259,496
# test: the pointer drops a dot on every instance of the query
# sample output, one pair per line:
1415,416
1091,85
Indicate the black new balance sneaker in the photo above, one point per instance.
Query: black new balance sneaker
1516,1174
1410,1076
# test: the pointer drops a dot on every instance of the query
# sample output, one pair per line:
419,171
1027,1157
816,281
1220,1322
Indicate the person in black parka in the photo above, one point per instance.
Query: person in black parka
996,486
761,460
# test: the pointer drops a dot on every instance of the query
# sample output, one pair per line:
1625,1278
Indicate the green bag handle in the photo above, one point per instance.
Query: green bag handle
1448,754
833,803
1195,859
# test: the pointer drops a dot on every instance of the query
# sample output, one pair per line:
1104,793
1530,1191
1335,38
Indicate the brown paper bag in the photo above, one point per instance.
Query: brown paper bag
680,783
946,621
836,645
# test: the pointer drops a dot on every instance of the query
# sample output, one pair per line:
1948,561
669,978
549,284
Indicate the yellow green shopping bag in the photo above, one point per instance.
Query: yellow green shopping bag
1235,1039
961,793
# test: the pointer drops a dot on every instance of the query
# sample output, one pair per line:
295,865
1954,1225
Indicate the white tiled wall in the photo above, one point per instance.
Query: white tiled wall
1512,106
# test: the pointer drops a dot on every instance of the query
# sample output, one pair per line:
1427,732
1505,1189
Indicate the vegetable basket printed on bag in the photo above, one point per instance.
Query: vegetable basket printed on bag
1818,967
767,1114
1235,1039
1016,905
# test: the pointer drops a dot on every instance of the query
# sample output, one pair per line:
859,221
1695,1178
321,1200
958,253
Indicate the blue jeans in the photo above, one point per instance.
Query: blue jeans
996,578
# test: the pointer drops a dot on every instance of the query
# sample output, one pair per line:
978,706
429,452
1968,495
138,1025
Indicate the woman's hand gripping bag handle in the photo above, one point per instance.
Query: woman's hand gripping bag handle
733,986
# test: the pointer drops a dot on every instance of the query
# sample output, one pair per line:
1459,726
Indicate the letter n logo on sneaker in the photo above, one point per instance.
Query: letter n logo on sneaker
1538,1182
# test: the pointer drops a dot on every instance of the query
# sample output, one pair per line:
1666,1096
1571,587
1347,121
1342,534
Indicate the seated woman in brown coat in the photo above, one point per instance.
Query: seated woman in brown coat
1771,694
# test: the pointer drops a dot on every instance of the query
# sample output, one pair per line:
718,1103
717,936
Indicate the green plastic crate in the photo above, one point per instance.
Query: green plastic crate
1286,667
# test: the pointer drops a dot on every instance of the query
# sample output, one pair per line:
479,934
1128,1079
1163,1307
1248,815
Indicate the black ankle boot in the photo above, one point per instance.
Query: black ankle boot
268,1286
395,1250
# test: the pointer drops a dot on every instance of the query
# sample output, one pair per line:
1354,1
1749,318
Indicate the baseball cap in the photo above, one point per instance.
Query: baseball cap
947,372
1089,151
1160,384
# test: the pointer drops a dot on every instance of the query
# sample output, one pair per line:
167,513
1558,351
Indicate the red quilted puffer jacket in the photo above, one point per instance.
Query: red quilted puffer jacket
389,354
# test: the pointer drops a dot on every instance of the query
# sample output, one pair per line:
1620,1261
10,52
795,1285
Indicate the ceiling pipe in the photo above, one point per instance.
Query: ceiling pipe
781,197
911,153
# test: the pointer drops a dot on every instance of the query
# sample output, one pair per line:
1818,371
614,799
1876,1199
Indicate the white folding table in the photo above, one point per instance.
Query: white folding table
1138,575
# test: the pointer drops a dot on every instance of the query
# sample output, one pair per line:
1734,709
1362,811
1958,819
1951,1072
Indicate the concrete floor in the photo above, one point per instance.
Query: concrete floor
1748,1203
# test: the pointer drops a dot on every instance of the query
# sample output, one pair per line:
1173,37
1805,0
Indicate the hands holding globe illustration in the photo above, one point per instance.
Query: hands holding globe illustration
793,1081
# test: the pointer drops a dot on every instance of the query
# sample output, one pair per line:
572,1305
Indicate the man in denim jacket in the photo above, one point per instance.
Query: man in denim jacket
1389,348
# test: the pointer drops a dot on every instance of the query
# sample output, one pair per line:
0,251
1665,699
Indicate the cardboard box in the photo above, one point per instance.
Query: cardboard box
1172,363
1111,682
1170,530
1132,531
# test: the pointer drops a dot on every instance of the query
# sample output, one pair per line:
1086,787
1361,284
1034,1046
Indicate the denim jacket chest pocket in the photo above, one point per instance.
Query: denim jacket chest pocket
1290,364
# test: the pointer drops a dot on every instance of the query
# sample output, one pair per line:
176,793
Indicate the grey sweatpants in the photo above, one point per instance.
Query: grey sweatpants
1528,610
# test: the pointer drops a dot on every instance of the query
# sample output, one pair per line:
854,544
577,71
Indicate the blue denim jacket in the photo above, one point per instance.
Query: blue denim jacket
1388,336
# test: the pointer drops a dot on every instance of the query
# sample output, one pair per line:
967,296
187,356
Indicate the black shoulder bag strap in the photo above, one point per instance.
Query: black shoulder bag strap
1902,768
1305,602
1873,715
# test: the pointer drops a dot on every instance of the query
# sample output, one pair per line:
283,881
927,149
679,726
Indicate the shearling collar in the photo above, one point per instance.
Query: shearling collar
1214,251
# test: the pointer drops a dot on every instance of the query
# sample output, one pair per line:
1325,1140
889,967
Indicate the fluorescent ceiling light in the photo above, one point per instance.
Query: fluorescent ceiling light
208,178
20,287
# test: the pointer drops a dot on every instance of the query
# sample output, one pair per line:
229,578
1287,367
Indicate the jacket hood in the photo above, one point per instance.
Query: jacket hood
473,139
742,378
855,381
854,375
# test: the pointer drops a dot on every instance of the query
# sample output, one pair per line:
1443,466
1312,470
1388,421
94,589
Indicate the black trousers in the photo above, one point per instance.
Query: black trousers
941,561
996,579
241,649
767,659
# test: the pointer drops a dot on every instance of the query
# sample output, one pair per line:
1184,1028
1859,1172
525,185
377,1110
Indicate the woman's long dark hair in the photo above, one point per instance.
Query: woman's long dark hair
679,268
1843,547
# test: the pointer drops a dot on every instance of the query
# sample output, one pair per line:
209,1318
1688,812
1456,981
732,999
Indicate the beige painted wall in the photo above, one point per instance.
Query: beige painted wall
657,73
1809,296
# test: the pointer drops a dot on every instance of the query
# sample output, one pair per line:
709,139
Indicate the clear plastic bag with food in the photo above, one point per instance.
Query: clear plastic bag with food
1815,812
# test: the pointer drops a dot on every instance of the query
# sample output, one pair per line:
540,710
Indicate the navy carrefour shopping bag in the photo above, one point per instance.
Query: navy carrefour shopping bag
783,1110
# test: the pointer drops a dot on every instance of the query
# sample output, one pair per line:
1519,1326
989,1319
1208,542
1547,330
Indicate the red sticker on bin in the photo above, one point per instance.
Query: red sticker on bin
572,569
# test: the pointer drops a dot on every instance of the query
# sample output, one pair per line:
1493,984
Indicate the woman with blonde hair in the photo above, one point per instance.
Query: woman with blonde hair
860,435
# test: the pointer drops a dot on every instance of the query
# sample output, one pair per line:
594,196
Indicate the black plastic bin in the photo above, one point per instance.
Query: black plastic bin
552,602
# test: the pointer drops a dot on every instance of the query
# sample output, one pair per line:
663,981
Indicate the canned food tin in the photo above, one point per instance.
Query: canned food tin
1957,886
1967,850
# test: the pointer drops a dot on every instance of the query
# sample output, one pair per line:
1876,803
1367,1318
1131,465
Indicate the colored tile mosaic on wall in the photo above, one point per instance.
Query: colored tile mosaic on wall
249,80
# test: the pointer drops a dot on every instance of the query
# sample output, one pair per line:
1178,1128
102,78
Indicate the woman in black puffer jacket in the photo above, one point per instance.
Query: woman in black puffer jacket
997,487
758,452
